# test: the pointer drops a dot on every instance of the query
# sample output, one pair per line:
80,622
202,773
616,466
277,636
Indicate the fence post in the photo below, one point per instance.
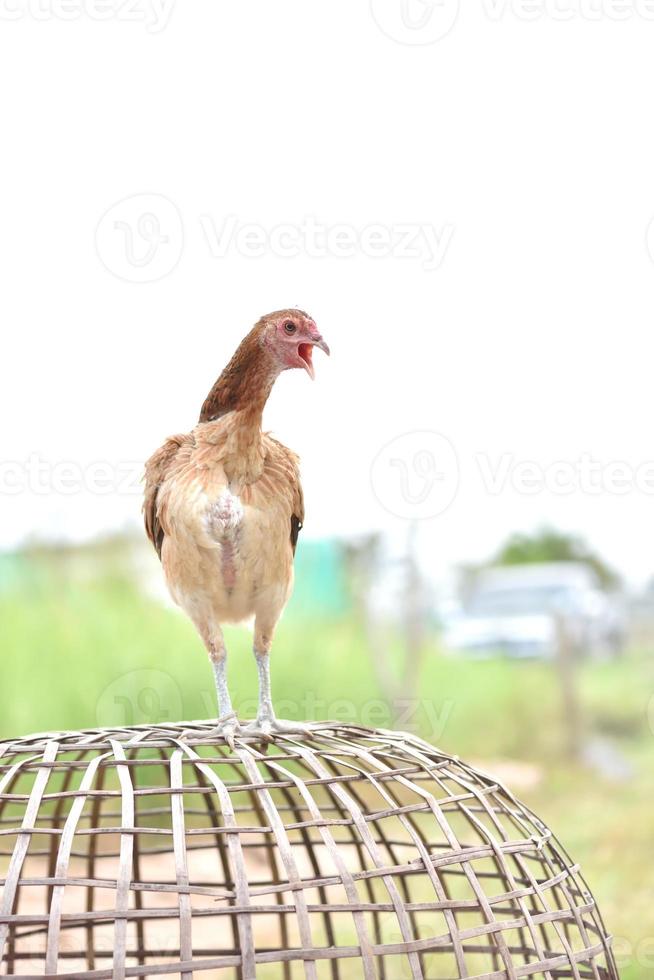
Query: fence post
568,681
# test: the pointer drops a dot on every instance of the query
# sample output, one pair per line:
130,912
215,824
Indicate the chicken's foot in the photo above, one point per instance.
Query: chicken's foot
228,727
267,724
266,728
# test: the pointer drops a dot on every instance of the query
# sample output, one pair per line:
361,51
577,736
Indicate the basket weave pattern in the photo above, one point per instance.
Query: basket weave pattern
159,851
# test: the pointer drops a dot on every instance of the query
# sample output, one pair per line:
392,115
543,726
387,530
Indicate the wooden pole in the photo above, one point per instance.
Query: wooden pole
568,681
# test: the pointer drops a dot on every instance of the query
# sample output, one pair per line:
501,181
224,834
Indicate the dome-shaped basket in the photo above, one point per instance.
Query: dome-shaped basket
158,851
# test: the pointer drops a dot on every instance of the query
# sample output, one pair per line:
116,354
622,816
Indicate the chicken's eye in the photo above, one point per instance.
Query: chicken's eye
290,327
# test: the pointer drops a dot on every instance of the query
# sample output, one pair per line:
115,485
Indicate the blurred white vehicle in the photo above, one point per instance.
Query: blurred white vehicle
518,610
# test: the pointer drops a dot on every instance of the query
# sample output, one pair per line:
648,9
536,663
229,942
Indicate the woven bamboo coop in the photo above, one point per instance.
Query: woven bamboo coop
159,851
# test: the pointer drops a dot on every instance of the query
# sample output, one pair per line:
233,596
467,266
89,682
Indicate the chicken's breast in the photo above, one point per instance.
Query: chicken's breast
225,536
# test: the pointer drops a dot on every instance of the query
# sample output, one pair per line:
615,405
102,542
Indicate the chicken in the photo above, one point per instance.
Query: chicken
223,507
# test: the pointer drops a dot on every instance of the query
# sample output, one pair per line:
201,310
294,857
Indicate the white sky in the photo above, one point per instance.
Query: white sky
524,147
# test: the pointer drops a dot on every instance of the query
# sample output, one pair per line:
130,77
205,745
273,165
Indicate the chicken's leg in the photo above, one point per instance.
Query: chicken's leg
265,713
267,722
227,721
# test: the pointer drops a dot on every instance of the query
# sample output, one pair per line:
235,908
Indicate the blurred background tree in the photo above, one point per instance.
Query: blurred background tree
548,544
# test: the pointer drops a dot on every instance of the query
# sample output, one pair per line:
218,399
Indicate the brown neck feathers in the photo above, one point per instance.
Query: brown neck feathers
245,383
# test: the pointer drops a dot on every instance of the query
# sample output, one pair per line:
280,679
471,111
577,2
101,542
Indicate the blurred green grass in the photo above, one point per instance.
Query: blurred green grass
98,652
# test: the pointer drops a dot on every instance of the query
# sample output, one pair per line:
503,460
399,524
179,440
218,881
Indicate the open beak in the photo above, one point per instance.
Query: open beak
305,353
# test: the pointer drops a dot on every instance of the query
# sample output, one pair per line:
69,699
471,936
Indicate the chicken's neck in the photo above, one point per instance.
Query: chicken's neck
244,385
242,391
243,460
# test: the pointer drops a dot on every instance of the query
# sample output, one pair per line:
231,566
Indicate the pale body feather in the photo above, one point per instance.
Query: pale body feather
219,504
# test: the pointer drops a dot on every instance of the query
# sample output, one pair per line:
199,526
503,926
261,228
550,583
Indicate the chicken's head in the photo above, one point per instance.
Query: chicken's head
291,335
